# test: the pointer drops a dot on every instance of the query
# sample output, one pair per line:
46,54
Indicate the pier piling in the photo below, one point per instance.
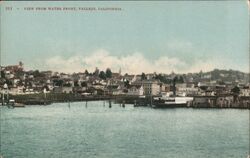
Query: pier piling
110,105
123,104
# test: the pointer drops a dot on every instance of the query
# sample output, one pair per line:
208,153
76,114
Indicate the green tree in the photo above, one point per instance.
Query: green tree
67,85
58,82
8,82
102,75
160,77
143,76
108,73
96,72
76,84
180,79
86,72
84,84
126,83
2,74
204,88
236,90
36,74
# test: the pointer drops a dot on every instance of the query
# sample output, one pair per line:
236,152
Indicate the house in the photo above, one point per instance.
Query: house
135,90
98,86
245,91
64,76
9,74
79,89
189,89
63,89
16,90
47,73
128,77
116,75
150,76
118,91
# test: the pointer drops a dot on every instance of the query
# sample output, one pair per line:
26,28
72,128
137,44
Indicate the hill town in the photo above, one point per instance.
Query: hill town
217,88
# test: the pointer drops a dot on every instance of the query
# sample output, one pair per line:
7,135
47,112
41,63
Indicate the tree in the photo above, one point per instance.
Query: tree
36,74
126,83
108,73
160,77
67,84
102,75
58,82
204,88
2,74
96,72
143,76
236,90
76,84
200,74
84,84
86,72
180,79
8,82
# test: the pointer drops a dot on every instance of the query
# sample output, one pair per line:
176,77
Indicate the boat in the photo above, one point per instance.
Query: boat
12,104
171,101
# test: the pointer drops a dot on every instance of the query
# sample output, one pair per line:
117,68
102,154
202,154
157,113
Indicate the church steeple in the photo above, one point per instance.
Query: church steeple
120,71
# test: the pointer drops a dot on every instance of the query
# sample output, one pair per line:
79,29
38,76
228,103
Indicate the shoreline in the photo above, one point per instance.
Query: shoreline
50,98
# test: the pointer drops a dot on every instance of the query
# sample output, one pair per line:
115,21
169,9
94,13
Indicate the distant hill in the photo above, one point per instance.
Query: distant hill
226,75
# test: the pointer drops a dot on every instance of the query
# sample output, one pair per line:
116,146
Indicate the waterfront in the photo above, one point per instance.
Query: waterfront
97,131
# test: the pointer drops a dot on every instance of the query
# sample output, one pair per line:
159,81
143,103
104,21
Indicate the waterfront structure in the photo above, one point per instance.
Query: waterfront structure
225,101
196,85
204,101
150,87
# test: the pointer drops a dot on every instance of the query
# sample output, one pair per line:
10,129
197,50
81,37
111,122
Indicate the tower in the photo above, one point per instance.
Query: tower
120,71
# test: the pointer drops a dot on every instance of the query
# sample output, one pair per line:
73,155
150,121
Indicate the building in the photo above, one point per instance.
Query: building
63,89
14,68
204,101
225,101
245,91
135,90
150,87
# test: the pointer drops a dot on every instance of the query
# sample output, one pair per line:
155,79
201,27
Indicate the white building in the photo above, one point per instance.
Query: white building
245,91
151,87
135,90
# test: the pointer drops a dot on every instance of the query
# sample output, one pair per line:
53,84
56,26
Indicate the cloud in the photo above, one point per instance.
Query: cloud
134,63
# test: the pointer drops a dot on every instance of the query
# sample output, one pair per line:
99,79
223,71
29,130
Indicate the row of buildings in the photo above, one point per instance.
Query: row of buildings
21,82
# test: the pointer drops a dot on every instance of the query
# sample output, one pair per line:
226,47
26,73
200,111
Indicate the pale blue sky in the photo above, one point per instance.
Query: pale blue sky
188,35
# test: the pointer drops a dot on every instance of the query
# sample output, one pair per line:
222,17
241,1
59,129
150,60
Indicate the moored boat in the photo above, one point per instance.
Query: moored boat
171,102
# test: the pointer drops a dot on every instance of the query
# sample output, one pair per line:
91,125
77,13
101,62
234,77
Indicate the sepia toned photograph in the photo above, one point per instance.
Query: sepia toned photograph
125,79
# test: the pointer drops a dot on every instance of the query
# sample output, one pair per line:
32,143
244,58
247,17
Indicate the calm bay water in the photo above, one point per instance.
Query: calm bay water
95,131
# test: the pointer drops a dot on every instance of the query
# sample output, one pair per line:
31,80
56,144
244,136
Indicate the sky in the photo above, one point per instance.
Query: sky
143,36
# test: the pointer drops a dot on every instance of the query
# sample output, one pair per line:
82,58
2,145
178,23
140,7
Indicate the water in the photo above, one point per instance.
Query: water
95,131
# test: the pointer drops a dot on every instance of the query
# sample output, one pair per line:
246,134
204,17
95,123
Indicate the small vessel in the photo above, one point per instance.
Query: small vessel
13,104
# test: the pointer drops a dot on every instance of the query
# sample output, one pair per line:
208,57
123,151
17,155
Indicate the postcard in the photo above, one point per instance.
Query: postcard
124,79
